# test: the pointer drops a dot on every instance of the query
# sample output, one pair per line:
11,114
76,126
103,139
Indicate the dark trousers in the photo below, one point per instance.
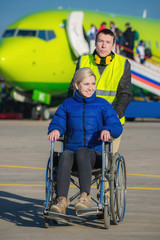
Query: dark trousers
130,54
83,161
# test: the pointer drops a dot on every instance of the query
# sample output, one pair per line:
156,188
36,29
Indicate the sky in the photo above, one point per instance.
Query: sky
12,10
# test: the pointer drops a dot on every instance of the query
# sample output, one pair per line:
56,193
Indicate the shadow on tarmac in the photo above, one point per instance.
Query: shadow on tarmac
20,210
28,212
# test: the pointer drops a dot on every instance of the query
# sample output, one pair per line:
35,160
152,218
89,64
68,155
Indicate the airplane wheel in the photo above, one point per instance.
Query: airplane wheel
130,119
45,114
35,113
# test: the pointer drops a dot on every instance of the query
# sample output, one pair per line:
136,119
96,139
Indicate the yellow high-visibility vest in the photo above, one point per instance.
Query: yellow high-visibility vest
107,83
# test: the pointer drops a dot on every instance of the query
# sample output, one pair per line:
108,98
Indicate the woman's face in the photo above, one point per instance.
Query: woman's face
87,87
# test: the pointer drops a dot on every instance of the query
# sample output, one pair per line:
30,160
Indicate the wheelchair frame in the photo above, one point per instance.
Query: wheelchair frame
112,202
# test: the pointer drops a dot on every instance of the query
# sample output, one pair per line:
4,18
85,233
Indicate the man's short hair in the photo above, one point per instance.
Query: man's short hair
106,31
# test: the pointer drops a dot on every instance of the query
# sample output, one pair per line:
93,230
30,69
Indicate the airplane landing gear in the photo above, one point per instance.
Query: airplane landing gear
45,114
40,111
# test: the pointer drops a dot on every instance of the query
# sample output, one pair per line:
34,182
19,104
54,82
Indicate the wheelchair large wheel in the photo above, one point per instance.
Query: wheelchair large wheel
50,191
121,188
48,185
118,188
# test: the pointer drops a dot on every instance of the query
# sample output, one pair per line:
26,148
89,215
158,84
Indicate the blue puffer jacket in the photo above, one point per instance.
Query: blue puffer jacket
83,119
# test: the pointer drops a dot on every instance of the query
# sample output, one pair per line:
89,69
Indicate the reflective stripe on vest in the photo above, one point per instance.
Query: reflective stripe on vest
107,83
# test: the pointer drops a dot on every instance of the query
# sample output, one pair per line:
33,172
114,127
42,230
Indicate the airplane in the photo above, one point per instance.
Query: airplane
38,53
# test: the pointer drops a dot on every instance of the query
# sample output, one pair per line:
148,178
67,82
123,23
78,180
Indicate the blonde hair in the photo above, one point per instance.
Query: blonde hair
81,74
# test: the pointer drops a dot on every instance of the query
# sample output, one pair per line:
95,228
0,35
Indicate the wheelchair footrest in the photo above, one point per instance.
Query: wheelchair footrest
88,211
56,216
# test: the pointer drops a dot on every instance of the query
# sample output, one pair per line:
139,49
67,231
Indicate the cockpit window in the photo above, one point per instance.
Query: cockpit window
45,35
42,34
9,33
149,44
26,33
51,35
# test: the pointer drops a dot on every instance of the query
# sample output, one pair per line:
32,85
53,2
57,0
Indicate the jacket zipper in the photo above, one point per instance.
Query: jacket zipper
83,123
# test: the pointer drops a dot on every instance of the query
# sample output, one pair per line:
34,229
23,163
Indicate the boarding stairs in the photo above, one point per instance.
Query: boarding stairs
145,76
145,79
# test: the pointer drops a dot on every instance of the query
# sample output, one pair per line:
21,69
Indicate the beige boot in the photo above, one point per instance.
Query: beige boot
83,201
61,206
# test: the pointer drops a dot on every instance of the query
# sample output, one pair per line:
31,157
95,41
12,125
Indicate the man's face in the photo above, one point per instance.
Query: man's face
104,44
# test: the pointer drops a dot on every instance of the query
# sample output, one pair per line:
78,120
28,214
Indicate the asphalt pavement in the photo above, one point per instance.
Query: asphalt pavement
24,150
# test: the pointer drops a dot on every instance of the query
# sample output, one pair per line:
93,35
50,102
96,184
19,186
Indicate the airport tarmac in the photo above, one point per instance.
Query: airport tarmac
24,150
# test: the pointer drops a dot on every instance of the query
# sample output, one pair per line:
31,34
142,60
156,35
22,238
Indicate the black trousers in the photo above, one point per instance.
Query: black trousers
83,161
130,54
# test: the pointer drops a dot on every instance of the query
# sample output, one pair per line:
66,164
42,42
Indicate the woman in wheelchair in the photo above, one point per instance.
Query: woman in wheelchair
86,120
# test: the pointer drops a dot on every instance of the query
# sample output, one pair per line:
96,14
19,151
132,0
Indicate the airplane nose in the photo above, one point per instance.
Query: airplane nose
12,59
2,58
9,50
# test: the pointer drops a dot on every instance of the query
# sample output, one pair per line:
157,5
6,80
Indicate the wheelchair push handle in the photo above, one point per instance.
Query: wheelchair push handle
52,146
104,143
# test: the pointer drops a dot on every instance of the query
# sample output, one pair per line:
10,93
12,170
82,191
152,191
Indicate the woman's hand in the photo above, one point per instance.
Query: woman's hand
105,135
54,135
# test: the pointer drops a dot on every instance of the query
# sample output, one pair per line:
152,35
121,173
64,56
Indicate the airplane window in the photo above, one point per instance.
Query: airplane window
157,44
26,33
42,35
51,35
9,33
46,35
149,44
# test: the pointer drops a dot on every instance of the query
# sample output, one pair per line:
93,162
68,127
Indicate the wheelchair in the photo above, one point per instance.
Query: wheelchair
111,179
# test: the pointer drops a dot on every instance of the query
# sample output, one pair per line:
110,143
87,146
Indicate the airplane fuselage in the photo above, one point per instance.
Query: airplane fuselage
30,62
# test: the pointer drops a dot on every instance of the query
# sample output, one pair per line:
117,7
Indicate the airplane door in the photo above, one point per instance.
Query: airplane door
75,34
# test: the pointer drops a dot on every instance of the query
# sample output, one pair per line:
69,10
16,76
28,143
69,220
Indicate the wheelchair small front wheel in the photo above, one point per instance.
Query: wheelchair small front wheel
46,222
106,217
